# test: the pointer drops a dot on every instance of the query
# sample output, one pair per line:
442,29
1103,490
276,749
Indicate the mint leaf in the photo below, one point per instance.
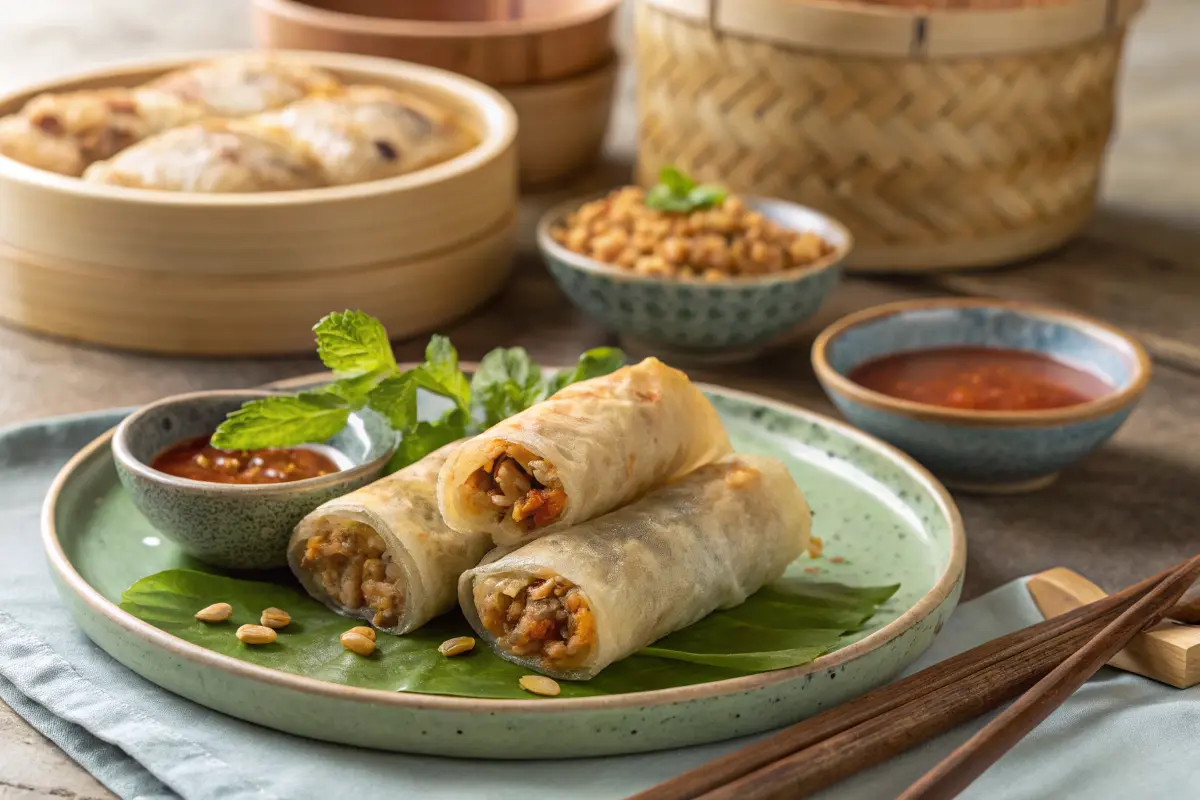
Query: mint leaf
354,390
353,342
678,183
507,382
423,438
396,399
706,196
592,364
282,422
661,198
440,373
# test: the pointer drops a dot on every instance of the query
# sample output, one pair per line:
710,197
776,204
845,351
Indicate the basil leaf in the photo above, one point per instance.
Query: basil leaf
423,438
353,342
396,399
678,183
507,382
661,198
769,632
282,422
440,373
592,364
706,196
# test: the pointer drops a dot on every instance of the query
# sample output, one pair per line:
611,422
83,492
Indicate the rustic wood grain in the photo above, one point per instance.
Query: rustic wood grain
1127,511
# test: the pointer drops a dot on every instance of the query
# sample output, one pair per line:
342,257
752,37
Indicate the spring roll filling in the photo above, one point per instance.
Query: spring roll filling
545,617
351,562
516,483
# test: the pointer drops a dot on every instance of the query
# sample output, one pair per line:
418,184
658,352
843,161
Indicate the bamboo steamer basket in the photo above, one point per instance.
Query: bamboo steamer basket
236,274
562,124
943,138
552,59
246,315
499,42
380,222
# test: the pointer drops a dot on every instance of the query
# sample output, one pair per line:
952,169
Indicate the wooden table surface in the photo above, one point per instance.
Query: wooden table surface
1126,512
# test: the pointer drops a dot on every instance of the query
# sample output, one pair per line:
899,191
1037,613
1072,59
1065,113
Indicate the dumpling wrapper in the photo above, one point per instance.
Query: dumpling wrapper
365,133
427,558
211,157
239,86
65,132
591,447
705,542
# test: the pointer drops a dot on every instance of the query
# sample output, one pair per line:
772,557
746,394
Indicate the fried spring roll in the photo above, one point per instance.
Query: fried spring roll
382,553
573,602
590,448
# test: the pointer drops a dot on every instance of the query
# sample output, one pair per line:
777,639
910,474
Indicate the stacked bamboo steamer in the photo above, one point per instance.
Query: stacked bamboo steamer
554,60
249,274
944,133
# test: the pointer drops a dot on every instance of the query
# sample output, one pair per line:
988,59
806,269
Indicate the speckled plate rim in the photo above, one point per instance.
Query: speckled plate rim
584,263
1093,409
71,580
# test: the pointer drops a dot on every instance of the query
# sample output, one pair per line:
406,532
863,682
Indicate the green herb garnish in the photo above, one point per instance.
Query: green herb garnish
356,347
677,192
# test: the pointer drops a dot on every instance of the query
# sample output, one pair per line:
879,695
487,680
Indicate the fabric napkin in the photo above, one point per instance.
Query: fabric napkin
1120,736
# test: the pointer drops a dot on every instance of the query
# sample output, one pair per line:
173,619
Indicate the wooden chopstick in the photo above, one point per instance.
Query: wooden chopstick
872,705
959,769
871,742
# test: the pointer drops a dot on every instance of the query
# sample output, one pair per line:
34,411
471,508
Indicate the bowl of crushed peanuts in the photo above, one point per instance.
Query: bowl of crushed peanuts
692,271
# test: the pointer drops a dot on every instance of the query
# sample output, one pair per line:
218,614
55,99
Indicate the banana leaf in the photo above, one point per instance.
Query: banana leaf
784,625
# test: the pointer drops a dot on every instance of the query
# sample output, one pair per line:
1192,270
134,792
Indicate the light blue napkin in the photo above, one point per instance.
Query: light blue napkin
1120,737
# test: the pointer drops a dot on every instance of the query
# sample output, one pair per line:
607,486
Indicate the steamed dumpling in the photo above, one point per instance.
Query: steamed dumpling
245,85
212,157
369,132
65,132
22,140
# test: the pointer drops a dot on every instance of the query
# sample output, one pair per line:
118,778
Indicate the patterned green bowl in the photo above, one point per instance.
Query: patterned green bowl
235,526
688,319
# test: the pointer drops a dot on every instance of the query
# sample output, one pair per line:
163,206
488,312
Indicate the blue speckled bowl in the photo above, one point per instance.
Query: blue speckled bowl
229,525
690,320
986,451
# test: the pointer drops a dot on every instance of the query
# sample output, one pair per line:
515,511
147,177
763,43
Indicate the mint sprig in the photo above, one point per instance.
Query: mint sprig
356,347
677,192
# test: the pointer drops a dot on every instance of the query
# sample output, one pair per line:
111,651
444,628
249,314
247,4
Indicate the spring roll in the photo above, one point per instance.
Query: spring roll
590,448
382,553
573,602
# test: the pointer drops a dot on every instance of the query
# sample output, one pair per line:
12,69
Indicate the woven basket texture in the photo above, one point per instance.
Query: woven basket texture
931,163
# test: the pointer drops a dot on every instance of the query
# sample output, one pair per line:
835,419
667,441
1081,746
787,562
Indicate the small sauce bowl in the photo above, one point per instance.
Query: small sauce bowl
238,526
987,451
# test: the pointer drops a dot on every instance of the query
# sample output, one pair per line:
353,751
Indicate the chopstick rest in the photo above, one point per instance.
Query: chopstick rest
1170,653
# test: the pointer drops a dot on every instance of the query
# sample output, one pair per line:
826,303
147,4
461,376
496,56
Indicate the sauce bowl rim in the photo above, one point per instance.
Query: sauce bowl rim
127,461
1118,398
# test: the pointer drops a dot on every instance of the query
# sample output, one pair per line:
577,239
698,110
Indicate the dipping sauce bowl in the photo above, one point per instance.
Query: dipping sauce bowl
1072,384
235,525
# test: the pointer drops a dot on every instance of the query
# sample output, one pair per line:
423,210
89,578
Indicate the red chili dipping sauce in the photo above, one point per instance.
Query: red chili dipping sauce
979,378
198,460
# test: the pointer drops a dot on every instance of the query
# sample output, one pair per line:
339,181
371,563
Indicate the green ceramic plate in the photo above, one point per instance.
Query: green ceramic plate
883,519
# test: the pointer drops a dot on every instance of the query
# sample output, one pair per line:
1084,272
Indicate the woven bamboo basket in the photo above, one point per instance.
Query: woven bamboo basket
943,138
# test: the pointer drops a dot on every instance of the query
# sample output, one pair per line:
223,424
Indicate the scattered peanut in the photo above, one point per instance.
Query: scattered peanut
540,684
364,631
255,634
275,618
456,646
217,612
357,643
